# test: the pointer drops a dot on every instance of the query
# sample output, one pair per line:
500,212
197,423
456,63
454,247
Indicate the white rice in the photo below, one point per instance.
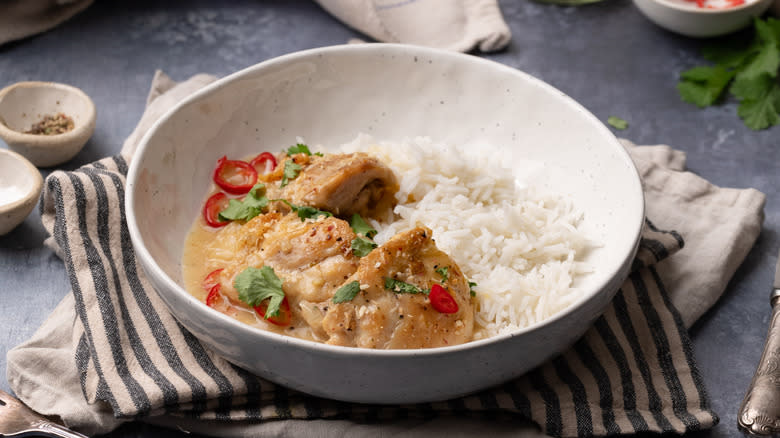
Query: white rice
522,247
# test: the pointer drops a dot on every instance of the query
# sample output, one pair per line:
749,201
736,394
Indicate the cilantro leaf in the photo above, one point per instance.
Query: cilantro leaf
362,246
347,292
765,62
472,285
762,112
702,86
401,287
291,171
617,122
444,271
361,227
304,211
252,205
256,285
751,88
299,148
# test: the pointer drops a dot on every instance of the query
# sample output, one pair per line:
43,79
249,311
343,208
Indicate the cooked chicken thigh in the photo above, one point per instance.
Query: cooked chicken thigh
382,318
342,184
313,257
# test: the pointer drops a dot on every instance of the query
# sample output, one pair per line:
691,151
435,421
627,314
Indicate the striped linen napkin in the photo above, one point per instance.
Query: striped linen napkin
111,352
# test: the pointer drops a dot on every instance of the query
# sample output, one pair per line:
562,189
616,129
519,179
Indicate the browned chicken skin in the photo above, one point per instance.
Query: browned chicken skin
381,318
342,184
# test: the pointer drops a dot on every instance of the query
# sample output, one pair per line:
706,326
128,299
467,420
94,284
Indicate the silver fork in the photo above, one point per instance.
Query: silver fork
17,420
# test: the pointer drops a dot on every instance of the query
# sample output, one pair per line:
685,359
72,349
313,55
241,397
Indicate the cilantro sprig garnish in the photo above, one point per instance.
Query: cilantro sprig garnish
304,211
252,205
472,292
444,271
749,73
291,171
361,227
362,246
256,285
348,292
401,287
301,148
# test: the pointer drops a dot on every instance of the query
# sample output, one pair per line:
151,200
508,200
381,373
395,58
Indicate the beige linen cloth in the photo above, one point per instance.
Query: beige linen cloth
586,391
460,25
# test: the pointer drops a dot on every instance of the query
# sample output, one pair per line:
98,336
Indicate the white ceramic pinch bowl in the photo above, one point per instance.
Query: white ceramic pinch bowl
26,103
20,187
328,96
686,18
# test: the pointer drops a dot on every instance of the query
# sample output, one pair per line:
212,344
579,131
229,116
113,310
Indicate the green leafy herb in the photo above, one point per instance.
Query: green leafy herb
252,205
291,171
617,122
255,285
347,292
472,285
362,246
360,227
304,211
444,271
401,287
749,73
299,148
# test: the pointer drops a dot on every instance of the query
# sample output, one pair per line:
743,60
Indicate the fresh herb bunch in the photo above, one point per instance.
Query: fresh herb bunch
749,73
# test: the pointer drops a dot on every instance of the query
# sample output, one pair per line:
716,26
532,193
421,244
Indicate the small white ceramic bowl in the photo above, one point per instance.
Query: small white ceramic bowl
20,187
328,96
686,18
26,103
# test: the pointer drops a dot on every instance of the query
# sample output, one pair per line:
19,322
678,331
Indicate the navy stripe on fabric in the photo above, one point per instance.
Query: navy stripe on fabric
687,348
679,400
100,283
160,334
225,398
253,391
593,364
655,405
553,420
61,237
626,376
579,395
675,234
169,393
521,402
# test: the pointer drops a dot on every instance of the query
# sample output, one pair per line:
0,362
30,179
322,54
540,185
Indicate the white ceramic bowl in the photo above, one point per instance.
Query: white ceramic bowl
686,18
25,103
20,187
328,96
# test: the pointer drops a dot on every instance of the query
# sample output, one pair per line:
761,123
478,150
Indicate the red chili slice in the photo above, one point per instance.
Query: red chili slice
264,163
234,176
284,316
212,299
441,300
212,279
214,205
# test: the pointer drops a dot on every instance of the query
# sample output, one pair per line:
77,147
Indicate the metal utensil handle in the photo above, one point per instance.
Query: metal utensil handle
760,410
48,429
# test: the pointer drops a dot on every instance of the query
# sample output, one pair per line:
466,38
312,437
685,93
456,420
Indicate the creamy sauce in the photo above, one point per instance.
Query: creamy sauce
196,265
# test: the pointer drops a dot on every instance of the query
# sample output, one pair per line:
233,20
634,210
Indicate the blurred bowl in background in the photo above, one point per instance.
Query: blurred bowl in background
20,187
703,18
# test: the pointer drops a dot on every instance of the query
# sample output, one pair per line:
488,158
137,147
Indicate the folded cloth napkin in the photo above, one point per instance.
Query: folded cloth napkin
22,18
111,352
460,25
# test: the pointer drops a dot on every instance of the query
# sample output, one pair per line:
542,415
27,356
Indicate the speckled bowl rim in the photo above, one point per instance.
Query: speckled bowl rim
242,329
34,193
49,140
704,11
